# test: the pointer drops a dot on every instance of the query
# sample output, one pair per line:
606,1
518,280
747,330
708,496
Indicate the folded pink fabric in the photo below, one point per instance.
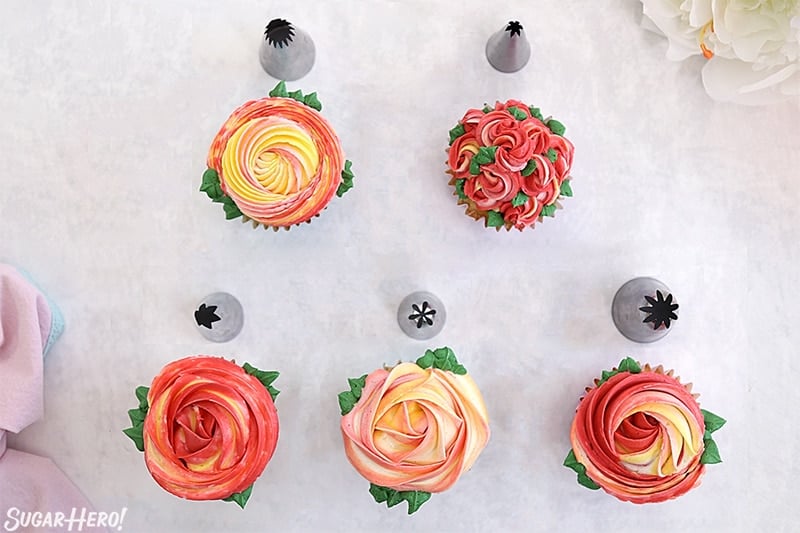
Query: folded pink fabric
28,483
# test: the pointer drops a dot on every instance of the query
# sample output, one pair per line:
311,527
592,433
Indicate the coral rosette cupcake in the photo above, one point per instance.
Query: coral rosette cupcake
413,429
208,428
276,161
641,436
509,165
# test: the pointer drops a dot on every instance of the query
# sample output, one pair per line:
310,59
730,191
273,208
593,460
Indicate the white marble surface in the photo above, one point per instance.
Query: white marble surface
108,108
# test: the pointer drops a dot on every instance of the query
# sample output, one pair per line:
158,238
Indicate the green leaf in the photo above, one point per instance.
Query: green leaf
460,188
347,179
266,377
231,209
536,113
520,199
279,90
137,416
572,463
629,365
549,210
713,422
485,155
517,113
556,127
240,497
494,219
552,155
415,498
474,167
349,399
456,132
211,184
529,168
711,453
297,95
487,109
426,361
566,188
312,101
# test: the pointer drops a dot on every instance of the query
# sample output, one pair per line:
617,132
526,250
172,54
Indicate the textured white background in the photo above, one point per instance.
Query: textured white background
107,112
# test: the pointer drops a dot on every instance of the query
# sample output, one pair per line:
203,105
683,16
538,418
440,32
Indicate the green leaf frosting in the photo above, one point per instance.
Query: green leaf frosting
460,188
265,377
572,463
443,359
211,185
349,399
520,199
552,155
474,167
347,179
486,108
549,210
566,188
485,155
456,132
711,452
626,365
312,101
280,90
415,498
297,95
556,127
517,113
494,219
529,168
240,497
137,416
536,113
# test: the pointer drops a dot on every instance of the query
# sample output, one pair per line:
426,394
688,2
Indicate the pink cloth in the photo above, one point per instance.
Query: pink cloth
28,482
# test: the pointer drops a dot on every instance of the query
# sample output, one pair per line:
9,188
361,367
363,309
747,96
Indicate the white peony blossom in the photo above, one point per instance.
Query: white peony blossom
752,46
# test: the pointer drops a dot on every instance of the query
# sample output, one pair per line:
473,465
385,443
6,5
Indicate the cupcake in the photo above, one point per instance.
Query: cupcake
640,435
413,429
276,161
509,165
207,427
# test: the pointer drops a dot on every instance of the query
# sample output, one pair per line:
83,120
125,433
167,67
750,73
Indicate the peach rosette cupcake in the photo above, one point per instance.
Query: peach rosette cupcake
276,161
640,435
413,429
509,165
207,427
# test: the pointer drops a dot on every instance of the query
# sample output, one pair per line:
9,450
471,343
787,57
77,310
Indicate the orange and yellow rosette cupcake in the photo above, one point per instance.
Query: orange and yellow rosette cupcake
640,435
276,161
413,429
207,427
509,165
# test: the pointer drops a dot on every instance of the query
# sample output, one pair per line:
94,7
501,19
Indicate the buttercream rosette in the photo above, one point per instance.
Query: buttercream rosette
276,161
640,435
207,427
509,165
413,429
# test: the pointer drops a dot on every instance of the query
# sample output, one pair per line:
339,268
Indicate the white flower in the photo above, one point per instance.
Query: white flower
753,46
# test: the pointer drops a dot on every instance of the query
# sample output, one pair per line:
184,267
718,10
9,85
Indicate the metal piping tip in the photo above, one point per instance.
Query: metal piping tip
644,309
287,52
508,50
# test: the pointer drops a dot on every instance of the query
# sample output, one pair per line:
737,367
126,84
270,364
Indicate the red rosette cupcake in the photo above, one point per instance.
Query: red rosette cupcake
640,435
414,429
276,161
207,427
509,165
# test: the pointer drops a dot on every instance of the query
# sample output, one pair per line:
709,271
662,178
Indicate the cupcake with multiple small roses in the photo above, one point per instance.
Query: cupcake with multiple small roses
207,427
640,435
276,161
509,165
414,429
